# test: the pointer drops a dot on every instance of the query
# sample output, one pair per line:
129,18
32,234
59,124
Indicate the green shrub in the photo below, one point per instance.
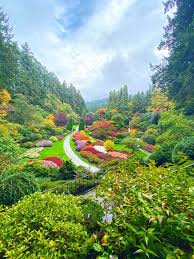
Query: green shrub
163,153
150,139
53,138
15,185
47,226
67,171
93,214
121,136
152,212
184,148
36,169
28,144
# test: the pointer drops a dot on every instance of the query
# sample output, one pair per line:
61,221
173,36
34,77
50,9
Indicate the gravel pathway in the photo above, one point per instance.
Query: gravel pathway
74,158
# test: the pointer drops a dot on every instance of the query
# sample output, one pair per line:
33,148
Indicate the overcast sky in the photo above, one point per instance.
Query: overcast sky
97,45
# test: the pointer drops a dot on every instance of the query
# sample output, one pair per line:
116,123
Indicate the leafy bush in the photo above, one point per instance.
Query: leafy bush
15,185
163,153
185,147
36,168
28,144
121,136
150,139
48,226
109,144
9,147
67,171
152,212
53,138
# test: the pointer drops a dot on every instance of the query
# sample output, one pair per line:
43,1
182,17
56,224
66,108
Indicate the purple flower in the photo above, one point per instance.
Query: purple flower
44,143
80,145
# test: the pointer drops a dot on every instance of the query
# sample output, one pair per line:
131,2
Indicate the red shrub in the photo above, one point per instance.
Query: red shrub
55,160
114,134
150,148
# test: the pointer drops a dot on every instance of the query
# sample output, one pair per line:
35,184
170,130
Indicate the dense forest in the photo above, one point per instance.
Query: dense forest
111,178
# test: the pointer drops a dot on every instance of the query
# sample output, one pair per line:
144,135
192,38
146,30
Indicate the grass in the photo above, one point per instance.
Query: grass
55,150
120,147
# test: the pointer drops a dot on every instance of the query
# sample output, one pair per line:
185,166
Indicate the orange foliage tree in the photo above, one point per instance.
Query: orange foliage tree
102,129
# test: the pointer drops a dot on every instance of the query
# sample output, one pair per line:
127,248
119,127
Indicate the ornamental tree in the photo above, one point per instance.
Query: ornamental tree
70,123
101,112
102,129
60,119
89,119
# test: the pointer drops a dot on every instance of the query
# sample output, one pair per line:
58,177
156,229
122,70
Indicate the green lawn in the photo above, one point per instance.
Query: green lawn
120,147
55,150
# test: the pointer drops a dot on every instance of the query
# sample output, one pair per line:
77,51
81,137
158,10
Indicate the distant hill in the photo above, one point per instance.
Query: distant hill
96,104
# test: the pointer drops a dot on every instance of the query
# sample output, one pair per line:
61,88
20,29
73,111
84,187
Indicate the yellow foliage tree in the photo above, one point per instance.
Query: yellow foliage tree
5,98
159,101
49,120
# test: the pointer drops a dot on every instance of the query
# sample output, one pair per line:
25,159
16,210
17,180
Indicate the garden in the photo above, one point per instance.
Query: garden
103,141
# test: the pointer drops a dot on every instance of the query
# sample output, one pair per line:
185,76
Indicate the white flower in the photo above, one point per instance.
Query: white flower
100,149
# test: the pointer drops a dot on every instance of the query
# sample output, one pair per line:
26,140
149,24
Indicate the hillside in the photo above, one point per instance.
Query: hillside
108,179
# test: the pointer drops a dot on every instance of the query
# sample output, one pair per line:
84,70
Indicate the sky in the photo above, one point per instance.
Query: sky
97,45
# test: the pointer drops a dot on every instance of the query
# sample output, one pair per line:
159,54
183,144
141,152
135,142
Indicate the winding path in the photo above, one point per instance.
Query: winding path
74,158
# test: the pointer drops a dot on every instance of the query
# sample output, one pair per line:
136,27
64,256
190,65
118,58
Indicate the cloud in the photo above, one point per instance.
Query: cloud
96,45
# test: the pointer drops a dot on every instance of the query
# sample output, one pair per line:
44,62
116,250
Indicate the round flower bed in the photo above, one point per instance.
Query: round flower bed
49,164
44,143
56,160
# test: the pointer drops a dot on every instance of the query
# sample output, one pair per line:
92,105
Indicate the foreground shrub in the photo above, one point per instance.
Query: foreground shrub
15,185
48,226
163,153
67,171
36,168
184,148
152,212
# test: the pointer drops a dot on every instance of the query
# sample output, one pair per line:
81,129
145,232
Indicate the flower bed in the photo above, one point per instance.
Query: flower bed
116,154
49,164
80,136
80,144
44,143
100,149
56,160
32,153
